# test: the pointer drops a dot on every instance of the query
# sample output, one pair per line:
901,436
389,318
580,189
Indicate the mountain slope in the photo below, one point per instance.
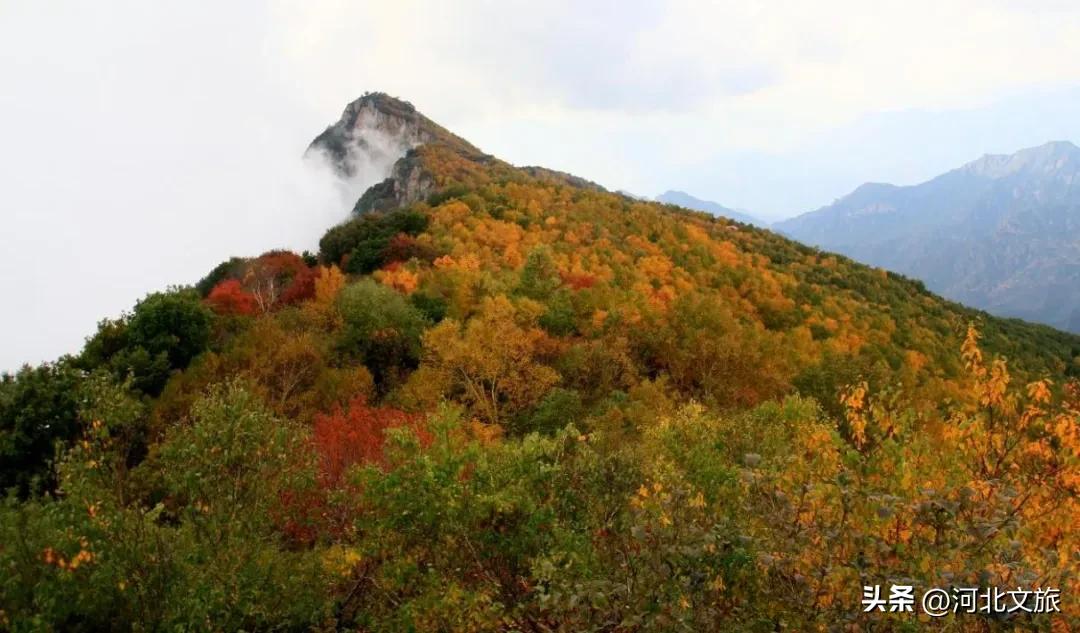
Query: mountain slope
1001,233
685,200
650,261
505,399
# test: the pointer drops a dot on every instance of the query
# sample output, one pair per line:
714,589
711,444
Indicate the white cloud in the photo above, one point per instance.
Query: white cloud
816,63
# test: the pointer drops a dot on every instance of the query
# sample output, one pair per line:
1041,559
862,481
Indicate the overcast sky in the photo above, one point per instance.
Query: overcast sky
143,142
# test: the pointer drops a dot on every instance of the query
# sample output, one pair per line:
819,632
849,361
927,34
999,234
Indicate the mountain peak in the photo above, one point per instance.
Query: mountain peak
1047,158
1066,146
384,102
374,148
379,129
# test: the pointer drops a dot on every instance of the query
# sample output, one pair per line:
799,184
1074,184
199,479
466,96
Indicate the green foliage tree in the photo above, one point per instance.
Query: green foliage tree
431,306
559,408
560,318
360,243
381,328
173,323
539,276
164,332
208,557
38,417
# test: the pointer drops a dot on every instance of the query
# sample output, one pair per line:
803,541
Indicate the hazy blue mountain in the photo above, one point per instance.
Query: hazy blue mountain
1001,233
683,199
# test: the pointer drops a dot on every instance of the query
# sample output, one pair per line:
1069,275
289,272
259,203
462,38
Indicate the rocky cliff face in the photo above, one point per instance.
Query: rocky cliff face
375,140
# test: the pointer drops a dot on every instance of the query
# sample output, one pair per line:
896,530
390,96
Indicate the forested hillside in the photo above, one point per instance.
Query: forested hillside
505,399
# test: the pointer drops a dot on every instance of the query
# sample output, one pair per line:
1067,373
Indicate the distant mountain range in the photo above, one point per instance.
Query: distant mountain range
1001,233
687,201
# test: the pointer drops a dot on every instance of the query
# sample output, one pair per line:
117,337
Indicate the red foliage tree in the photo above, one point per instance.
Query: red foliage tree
578,281
356,435
303,514
403,247
302,287
270,274
285,264
230,298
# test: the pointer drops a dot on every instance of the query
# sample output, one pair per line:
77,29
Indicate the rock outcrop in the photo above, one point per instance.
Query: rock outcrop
377,137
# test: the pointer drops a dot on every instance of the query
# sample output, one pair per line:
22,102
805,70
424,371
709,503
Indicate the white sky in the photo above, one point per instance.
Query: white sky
143,142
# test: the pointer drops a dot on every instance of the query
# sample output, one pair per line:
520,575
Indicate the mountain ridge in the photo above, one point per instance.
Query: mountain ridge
683,199
998,233
876,223
447,168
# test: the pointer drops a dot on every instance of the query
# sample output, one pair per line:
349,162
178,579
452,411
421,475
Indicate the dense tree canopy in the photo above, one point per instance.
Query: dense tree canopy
527,404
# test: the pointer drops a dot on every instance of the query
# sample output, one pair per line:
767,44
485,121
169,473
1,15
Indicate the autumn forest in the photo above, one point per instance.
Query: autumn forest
520,402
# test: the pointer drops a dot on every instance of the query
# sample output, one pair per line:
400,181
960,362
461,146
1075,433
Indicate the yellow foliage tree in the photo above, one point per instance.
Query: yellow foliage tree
491,360
328,286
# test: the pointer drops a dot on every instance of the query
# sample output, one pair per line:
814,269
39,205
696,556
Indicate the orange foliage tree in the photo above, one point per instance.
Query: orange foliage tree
356,435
